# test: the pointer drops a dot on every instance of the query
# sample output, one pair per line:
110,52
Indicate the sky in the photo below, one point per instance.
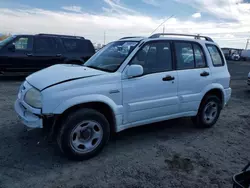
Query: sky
225,21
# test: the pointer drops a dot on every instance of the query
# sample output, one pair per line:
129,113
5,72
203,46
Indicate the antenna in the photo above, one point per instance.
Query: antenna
247,44
104,37
162,23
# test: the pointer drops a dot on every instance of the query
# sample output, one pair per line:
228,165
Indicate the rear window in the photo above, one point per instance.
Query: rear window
77,45
216,55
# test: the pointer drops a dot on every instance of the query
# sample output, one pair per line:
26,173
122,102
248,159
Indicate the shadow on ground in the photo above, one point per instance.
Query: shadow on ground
31,149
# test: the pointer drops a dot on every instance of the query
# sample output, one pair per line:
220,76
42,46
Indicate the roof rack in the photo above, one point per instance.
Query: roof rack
55,35
158,35
131,37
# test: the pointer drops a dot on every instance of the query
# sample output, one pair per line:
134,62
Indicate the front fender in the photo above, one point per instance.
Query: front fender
117,109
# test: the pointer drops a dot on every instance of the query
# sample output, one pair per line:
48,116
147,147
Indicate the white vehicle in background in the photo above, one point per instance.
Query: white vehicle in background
128,83
245,55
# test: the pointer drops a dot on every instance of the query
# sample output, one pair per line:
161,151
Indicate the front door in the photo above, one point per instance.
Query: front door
18,59
193,73
153,95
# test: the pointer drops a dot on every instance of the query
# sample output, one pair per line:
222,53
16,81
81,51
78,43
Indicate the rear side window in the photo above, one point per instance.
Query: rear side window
46,44
199,57
184,55
216,55
77,45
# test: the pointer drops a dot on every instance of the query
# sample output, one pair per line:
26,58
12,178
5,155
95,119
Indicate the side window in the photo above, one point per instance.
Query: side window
154,57
70,44
78,45
46,44
184,55
23,43
199,56
216,55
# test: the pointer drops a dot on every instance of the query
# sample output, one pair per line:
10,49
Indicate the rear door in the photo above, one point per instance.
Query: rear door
193,74
48,51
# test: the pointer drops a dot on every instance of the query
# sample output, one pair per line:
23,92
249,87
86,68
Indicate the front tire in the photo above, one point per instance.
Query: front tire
208,113
83,134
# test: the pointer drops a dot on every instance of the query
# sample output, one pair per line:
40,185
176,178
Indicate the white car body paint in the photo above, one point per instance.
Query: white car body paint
134,101
248,79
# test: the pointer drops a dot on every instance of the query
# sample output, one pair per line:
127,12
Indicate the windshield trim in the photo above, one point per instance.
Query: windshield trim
112,71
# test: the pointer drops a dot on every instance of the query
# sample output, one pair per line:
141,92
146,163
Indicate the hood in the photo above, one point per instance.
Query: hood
60,73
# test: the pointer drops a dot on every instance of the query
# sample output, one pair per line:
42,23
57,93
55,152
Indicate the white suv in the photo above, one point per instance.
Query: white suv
128,83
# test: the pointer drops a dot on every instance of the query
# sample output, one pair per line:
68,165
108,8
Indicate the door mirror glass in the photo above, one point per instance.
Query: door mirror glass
11,47
134,71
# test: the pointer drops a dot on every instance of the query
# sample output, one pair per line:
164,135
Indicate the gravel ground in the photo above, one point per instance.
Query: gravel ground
167,154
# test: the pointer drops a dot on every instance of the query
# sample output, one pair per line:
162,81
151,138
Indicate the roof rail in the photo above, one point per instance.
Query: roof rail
131,37
56,35
157,35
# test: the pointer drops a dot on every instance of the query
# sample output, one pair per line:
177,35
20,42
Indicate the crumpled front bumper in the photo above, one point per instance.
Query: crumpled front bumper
28,118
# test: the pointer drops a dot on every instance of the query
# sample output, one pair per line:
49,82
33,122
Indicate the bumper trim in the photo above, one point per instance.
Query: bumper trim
28,118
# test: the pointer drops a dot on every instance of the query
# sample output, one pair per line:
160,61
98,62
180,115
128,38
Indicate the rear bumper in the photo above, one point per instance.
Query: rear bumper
28,118
228,93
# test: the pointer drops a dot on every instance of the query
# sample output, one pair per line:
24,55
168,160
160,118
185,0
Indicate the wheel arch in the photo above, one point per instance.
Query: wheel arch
101,107
217,91
100,103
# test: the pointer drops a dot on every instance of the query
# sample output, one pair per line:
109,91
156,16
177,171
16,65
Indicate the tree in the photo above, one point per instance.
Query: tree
2,37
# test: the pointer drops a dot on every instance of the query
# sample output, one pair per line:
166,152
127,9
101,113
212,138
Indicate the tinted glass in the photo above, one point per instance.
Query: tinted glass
184,55
199,56
216,56
112,56
23,43
6,41
154,57
46,44
77,45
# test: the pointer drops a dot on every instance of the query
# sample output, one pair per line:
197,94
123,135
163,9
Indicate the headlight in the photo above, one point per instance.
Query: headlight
33,98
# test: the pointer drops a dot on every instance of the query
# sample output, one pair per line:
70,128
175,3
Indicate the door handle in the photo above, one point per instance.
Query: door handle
58,55
204,74
29,54
168,78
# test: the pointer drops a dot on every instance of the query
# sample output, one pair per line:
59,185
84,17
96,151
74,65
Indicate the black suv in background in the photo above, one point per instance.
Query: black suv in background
29,53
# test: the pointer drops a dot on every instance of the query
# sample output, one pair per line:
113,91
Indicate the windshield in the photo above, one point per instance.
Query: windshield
5,41
110,58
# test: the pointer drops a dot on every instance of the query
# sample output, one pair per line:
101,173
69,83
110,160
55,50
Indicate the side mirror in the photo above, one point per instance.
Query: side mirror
11,47
134,71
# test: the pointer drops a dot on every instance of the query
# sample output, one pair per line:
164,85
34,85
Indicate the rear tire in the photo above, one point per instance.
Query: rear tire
83,134
208,113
